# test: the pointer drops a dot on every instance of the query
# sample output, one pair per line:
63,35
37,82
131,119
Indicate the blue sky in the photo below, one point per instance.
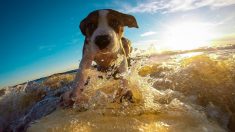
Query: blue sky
42,37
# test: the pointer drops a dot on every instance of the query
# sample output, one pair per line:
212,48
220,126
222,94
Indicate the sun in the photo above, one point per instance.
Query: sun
185,36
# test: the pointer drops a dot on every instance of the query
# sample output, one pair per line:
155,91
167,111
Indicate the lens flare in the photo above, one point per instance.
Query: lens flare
185,36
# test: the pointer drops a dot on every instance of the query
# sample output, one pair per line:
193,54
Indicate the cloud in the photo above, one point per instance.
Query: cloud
147,34
164,6
46,47
75,41
144,44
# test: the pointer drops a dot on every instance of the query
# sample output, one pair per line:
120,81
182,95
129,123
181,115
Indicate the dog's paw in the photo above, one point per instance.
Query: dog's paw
127,96
71,98
66,99
124,95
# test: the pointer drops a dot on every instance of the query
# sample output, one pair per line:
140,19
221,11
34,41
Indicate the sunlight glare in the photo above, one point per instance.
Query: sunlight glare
185,36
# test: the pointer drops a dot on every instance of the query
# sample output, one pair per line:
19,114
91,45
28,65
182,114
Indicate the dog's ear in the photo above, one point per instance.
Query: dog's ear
82,26
129,20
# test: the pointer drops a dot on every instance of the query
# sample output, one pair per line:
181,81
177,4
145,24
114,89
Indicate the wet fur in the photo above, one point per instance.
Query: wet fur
103,22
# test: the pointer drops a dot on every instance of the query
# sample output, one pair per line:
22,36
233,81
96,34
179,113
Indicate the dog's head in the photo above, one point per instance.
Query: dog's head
104,28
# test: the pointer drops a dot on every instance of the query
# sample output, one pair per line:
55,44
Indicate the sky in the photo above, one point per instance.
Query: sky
42,37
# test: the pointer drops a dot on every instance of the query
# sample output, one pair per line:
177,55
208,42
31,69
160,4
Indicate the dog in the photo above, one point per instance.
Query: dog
105,45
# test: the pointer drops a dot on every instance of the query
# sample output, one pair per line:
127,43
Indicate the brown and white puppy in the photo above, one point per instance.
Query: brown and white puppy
104,44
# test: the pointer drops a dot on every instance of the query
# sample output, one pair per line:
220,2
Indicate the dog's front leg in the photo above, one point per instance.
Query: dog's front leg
81,76
75,95
124,92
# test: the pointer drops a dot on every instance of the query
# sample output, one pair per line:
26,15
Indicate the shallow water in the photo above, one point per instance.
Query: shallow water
185,92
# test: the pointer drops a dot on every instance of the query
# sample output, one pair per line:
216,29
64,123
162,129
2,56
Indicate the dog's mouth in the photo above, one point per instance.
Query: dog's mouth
105,50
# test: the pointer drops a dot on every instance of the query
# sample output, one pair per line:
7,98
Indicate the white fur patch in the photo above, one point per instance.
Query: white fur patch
104,29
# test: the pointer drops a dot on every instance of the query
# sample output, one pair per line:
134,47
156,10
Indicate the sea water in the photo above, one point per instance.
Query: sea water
184,92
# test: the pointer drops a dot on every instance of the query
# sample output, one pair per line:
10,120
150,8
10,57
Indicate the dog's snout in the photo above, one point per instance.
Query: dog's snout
102,41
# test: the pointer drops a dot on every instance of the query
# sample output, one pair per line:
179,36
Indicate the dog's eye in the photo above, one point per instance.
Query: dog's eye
91,25
115,23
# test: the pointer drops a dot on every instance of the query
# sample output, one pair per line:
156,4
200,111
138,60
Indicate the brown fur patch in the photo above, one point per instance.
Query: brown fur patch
89,24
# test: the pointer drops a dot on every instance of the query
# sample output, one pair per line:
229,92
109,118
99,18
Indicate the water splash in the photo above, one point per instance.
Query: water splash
172,95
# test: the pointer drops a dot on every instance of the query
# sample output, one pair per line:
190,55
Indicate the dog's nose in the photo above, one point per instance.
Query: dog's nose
102,41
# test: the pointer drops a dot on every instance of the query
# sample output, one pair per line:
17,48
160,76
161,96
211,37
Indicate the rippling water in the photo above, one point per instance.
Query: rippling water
184,92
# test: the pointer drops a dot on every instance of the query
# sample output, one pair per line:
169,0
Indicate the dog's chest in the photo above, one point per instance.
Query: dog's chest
106,59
